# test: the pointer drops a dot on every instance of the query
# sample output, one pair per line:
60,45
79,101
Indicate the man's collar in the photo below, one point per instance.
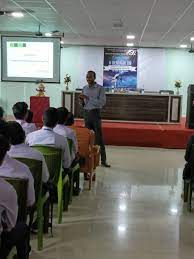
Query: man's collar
94,85
47,128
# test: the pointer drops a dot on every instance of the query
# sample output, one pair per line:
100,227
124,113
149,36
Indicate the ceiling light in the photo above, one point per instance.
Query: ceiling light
123,207
183,46
122,228
130,37
130,44
192,39
17,14
62,42
48,34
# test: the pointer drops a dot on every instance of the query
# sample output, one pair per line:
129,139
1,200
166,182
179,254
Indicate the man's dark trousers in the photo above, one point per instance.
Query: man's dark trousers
93,121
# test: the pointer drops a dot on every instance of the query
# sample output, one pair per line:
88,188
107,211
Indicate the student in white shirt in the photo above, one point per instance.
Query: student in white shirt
20,149
46,136
65,131
29,120
11,233
20,111
15,169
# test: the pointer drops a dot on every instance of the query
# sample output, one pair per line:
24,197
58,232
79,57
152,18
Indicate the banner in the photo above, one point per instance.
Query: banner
120,68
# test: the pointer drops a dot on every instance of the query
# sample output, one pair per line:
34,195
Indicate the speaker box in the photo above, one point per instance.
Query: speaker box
190,107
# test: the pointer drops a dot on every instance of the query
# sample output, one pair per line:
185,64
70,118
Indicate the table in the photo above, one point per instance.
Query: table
146,108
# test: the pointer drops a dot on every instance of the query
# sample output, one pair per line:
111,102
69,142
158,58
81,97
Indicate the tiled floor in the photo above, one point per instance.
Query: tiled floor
134,211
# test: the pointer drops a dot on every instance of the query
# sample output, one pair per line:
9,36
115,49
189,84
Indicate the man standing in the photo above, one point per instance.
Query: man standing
93,98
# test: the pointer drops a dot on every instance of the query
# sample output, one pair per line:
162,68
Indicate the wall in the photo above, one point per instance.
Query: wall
157,69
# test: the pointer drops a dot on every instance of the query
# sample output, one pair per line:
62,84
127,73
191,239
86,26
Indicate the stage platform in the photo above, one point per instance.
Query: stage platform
145,135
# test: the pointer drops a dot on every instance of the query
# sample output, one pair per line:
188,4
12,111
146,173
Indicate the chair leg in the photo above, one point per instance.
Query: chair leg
76,180
66,195
90,181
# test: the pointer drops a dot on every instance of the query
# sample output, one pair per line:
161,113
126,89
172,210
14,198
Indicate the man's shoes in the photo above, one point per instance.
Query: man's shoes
105,165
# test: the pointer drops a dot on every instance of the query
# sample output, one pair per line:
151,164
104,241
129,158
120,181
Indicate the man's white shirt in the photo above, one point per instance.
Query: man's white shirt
24,151
46,136
15,169
27,127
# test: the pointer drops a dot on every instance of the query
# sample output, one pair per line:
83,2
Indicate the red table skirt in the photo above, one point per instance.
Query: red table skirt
38,105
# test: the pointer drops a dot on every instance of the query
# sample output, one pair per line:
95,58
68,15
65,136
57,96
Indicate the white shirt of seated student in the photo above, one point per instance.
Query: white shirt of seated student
27,127
8,206
24,151
46,136
15,169
68,133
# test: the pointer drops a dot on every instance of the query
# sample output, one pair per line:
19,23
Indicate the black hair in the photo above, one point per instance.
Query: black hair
20,110
30,116
50,117
92,72
62,113
1,112
70,119
4,129
17,134
4,147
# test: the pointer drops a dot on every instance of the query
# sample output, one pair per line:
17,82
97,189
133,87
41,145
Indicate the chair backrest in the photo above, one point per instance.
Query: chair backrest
85,138
20,185
53,158
70,143
35,167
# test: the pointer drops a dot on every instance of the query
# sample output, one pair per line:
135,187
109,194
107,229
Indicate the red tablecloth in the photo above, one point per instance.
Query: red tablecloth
38,105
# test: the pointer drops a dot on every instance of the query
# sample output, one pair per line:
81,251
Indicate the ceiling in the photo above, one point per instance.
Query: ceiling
155,23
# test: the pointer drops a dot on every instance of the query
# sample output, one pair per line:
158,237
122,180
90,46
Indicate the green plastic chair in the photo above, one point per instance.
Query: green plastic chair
20,186
53,158
75,172
35,167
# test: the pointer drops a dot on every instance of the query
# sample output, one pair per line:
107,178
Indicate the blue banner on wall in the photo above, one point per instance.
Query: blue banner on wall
120,68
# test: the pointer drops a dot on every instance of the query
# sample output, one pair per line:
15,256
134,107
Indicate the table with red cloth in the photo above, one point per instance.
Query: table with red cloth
38,105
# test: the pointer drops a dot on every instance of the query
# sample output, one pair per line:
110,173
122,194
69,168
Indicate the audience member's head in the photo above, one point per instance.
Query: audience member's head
20,110
4,147
1,113
17,134
4,129
70,119
29,118
50,117
62,115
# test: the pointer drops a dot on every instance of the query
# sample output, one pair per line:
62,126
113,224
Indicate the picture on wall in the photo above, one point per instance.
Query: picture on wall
120,68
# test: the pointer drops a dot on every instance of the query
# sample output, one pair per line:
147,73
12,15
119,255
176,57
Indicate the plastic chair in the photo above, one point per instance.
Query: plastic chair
75,172
20,186
35,167
53,158
86,139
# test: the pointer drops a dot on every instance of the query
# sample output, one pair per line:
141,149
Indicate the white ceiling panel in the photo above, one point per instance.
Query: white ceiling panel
156,23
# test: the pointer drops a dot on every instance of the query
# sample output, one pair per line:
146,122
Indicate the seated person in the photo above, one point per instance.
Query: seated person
20,149
20,111
29,120
65,131
15,169
11,233
188,159
46,136
69,119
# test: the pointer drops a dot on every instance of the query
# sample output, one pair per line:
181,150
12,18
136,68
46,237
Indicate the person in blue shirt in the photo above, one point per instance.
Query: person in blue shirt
93,99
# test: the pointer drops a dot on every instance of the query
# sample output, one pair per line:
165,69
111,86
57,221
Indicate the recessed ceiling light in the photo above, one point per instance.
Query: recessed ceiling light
48,34
192,39
130,44
130,37
17,14
183,46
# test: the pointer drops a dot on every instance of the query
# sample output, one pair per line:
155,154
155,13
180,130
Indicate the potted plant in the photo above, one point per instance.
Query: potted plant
178,85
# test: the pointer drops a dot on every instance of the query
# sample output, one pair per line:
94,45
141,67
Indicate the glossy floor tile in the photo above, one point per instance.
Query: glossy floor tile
134,211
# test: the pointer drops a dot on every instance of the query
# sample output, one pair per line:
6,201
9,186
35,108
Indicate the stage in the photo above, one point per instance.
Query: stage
145,135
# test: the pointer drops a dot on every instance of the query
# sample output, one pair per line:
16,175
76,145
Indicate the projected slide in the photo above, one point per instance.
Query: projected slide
30,59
